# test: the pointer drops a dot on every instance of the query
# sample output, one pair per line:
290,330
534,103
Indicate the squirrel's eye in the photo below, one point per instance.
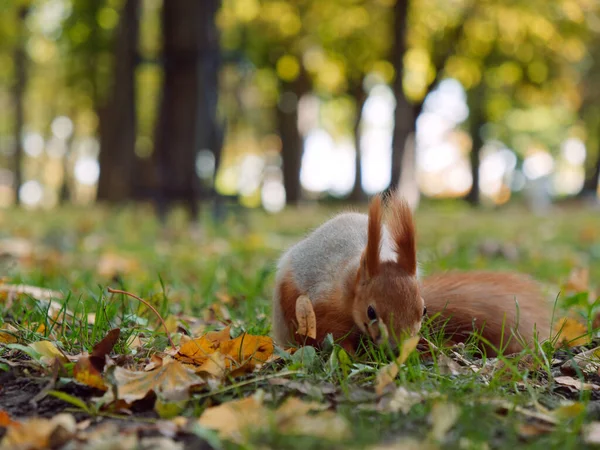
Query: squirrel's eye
371,314
425,311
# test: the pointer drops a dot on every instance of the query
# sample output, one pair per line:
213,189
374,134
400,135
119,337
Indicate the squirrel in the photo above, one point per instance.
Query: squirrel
362,279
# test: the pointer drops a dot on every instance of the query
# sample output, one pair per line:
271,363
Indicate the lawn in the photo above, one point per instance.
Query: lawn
137,388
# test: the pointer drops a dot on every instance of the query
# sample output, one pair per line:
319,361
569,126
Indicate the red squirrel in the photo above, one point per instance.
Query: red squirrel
362,278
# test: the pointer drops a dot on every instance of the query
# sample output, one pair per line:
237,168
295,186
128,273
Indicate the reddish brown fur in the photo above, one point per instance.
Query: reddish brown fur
332,317
402,229
371,254
482,301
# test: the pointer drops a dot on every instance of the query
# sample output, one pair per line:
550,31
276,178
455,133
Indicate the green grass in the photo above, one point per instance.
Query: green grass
184,270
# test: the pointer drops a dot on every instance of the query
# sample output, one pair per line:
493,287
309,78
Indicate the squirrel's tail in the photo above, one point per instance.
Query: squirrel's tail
506,309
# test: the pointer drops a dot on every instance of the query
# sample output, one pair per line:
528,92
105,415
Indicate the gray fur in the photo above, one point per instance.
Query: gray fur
322,261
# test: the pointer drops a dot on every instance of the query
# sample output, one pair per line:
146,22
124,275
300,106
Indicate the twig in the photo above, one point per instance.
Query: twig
118,291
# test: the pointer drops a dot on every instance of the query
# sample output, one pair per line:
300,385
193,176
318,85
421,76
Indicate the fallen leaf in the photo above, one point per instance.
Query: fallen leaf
447,366
401,400
569,411
39,433
576,384
571,332
305,315
443,416
241,354
534,429
48,352
88,369
8,334
172,381
112,264
387,374
578,281
591,433
234,420
588,361
5,419
33,291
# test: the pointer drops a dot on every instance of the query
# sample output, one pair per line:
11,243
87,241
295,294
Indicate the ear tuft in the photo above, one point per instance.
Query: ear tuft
371,254
402,229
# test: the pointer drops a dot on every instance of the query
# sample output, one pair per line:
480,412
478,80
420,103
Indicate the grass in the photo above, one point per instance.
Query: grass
226,272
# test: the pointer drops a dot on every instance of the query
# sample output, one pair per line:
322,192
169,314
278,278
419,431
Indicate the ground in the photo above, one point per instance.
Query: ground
205,277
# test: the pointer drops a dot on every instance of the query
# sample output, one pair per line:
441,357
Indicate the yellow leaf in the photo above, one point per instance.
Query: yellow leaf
388,373
38,433
241,354
234,420
8,334
48,351
571,332
172,381
85,372
305,315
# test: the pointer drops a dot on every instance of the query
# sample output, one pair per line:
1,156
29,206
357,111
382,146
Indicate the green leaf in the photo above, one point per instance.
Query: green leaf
77,402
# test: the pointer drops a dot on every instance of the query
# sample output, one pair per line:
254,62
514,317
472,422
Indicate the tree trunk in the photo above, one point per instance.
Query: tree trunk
117,117
590,185
476,121
210,131
291,141
187,118
20,61
360,97
404,120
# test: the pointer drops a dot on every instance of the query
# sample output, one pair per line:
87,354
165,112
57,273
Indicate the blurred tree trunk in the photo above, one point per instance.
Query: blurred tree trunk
291,141
404,119
20,61
590,185
188,110
477,119
360,97
117,116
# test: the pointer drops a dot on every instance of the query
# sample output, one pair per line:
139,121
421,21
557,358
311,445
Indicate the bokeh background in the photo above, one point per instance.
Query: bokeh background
272,102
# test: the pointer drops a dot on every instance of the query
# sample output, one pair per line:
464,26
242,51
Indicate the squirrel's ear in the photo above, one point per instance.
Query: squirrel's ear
402,229
369,264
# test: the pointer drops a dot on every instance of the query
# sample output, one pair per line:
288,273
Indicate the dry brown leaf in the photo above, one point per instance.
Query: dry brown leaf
172,381
576,384
305,315
534,429
234,418
387,374
39,433
88,369
571,332
443,416
447,366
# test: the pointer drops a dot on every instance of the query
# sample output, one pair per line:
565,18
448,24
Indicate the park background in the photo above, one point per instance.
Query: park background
268,102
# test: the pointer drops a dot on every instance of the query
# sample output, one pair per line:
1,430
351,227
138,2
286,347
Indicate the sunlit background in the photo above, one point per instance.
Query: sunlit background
519,82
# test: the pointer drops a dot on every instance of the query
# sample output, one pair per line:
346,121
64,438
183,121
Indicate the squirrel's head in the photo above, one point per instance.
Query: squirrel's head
387,303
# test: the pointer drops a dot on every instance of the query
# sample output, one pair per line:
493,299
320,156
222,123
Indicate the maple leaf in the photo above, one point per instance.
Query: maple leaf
171,380
387,374
88,369
241,354
571,332
305,315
